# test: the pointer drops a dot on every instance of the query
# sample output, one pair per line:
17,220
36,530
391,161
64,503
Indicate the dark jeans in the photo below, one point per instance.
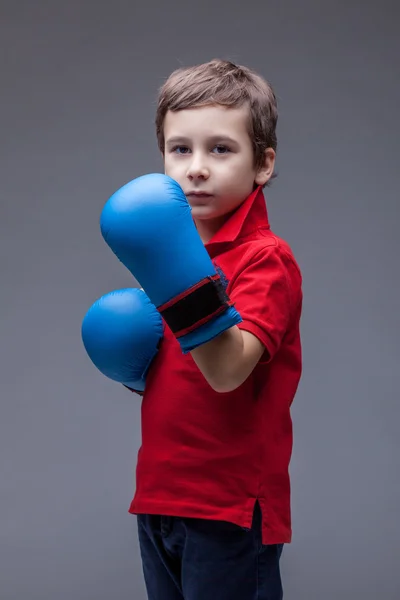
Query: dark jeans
199,559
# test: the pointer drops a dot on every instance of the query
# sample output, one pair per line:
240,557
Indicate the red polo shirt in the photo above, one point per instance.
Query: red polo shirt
210,455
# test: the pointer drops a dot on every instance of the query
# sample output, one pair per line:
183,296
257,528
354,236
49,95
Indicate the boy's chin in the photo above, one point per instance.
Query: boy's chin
202,213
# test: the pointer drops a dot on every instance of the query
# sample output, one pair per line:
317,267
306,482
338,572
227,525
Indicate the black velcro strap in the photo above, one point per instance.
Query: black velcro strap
196,306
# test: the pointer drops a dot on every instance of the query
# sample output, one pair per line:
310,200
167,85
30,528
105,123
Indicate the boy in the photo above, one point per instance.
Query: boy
213,494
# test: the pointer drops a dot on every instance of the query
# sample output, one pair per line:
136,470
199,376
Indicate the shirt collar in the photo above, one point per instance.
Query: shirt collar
250,215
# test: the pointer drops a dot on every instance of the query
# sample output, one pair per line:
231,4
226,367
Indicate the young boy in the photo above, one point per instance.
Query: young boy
212,486
213,491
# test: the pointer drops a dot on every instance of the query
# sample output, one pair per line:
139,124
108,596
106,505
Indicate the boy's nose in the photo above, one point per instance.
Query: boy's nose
197,170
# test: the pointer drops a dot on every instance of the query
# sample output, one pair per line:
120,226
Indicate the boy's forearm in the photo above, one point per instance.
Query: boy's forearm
227,360
218,359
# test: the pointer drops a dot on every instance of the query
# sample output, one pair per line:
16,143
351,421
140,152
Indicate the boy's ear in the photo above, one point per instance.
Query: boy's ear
265,172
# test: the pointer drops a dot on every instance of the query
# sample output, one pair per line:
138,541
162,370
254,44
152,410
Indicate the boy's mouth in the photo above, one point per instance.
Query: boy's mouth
198,195
199,199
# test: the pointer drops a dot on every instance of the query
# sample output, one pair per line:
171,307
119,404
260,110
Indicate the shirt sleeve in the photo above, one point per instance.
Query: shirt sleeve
265,294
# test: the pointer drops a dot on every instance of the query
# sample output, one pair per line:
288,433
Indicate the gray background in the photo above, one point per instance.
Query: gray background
78,89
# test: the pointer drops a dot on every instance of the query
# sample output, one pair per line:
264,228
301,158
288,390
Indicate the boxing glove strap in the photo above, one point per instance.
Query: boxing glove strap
195,306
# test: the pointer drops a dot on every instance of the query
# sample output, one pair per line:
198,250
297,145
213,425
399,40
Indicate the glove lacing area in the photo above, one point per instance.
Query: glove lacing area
196,306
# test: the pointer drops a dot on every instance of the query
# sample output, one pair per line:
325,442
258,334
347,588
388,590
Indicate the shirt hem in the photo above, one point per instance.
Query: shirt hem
238,516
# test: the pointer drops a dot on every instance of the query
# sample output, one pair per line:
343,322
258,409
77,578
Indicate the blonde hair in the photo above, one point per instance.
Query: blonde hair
224,83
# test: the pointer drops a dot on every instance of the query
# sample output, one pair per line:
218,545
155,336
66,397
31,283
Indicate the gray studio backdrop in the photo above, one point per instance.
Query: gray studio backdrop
78,89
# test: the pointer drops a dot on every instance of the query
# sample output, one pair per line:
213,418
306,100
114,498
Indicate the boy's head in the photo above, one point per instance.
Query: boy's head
216,129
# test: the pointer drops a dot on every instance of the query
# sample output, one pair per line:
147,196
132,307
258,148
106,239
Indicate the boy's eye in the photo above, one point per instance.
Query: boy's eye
221,149
180,150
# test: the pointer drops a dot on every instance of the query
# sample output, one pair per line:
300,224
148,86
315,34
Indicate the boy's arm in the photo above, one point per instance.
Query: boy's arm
227,360
265,294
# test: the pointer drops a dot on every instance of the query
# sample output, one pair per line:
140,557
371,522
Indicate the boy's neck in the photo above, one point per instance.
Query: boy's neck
207,228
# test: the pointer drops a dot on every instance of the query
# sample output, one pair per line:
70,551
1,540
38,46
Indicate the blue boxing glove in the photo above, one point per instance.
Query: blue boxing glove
121,333
148,225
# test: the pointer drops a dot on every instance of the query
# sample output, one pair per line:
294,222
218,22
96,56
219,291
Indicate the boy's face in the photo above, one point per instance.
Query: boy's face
208,151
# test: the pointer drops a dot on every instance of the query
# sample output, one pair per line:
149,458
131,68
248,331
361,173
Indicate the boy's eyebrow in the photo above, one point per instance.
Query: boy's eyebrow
177,140
213,139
